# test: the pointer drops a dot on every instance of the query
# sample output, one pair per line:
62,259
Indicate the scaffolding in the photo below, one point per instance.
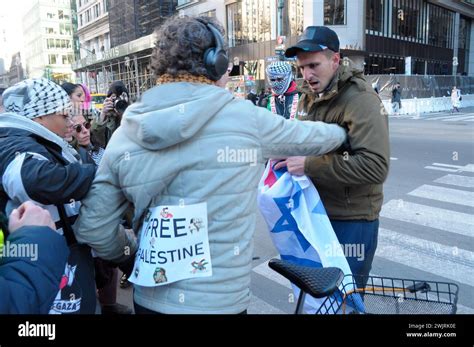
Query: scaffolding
133,70
132,19
132,23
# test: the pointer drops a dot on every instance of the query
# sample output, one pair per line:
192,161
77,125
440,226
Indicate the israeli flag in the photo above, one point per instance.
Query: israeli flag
300,228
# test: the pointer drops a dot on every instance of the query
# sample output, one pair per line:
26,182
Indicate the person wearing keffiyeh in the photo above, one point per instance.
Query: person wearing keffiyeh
36,164
284,98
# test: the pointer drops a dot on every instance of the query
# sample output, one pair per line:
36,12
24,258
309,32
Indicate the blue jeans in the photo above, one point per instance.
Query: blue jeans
359,241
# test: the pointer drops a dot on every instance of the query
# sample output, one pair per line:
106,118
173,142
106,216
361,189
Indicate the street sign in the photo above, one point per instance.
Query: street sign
279,51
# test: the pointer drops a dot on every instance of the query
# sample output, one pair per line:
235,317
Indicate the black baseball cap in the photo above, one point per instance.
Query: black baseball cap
315,39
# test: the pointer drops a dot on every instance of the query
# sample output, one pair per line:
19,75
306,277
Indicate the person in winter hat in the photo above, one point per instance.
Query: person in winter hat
284,98
37,164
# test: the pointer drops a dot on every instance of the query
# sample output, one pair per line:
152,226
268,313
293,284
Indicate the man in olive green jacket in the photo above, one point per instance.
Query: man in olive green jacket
349,182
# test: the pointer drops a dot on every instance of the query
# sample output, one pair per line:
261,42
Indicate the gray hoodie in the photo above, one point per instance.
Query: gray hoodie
194,143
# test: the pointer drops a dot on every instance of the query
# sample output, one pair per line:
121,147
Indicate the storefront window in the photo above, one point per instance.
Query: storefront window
440,22
404,15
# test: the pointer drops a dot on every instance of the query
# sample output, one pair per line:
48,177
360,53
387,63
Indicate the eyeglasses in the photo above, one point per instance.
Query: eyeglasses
78,127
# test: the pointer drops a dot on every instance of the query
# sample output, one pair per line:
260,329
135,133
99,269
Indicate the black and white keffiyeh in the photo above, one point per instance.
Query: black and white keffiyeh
33,98
279,76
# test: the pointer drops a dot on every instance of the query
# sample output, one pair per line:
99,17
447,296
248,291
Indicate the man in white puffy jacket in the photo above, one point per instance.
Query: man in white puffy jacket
174,147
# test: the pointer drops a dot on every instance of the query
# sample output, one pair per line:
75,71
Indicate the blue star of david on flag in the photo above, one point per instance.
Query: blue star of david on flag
300,228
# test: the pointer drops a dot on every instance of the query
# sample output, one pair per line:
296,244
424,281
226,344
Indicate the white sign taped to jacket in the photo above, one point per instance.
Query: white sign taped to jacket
173,246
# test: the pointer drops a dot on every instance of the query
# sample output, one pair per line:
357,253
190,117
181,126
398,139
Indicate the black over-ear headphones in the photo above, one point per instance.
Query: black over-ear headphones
216,60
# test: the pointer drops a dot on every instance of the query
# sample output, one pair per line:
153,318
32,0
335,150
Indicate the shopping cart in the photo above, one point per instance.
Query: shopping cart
381,295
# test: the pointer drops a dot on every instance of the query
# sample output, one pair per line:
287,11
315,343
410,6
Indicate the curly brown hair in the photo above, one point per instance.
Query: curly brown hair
180,45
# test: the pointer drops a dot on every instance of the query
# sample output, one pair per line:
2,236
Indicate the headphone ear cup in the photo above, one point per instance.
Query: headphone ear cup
221,63
215,58
209,58
216,63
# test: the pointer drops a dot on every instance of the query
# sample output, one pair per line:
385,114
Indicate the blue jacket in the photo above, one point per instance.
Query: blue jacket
29,285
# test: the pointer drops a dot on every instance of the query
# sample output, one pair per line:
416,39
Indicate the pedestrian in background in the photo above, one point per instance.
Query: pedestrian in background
396,99
252,96
106,275
76,94
110,118
285,97
455,99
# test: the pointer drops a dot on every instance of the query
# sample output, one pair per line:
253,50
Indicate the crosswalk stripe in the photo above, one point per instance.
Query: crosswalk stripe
460,118
453,196
439,118
467,168
435,258
432,217
440,169
448,165
457,180
446,117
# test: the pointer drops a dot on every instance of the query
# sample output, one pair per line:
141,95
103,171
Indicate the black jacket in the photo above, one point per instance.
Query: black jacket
33,168
396,95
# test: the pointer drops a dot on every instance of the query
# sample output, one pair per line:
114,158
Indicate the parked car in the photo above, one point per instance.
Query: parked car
98,100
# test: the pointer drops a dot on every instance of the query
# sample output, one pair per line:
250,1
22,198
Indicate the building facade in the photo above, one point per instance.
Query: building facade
379,36
92,27
3,43
48,40
93,38
131,24
419,37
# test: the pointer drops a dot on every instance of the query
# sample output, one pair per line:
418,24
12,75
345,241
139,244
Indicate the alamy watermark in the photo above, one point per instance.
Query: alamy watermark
237,155
349,250
19,250
37,330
